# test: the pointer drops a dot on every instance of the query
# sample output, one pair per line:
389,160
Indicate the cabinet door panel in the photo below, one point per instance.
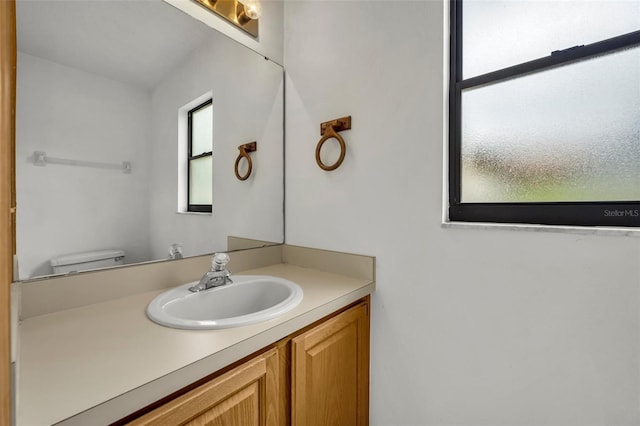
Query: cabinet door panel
241,408
245,396
331,372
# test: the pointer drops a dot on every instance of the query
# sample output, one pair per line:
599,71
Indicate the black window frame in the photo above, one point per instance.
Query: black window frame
198,208
613,213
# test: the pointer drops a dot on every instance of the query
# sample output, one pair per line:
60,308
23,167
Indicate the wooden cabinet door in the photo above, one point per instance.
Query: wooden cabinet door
244,396
330,372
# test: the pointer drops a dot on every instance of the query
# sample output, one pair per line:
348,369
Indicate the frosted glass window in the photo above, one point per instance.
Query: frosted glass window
202,130
566,134
501,33
544,110
200,181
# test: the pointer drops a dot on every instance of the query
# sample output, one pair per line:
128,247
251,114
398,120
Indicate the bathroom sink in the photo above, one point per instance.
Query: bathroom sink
248,300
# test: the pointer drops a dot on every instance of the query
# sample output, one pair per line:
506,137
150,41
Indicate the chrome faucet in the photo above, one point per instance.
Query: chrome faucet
217,276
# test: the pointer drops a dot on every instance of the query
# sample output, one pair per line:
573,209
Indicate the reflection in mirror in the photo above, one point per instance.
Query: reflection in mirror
112,82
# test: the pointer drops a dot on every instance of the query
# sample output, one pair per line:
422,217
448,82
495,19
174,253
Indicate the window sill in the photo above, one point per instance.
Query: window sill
579,230
196,213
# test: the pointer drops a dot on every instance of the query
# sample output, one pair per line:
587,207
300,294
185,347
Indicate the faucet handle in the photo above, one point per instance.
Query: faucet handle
219,261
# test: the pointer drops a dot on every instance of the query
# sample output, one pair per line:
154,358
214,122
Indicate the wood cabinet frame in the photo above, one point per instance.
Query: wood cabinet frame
8,60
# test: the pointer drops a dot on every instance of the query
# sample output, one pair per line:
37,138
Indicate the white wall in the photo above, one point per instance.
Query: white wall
469,327
247,106
64,209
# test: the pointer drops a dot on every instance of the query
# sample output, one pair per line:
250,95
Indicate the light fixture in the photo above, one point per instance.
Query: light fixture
243,15
253,9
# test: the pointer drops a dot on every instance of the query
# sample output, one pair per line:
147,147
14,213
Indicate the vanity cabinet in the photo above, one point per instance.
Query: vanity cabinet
317,376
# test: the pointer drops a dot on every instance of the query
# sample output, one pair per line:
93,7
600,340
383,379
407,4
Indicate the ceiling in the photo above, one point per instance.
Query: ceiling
132,41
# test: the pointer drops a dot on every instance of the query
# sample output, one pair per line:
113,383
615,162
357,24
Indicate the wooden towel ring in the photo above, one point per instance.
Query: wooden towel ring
330,130
244,152
328,134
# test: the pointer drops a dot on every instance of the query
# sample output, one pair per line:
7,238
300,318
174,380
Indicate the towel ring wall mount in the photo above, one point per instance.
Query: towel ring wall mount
329,130
244,153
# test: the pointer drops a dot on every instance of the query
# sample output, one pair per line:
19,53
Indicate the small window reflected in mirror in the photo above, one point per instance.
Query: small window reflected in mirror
200,158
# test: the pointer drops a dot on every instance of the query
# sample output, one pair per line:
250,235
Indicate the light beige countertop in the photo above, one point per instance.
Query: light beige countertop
95,364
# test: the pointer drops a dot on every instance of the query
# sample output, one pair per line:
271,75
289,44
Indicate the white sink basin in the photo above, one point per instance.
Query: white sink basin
249,299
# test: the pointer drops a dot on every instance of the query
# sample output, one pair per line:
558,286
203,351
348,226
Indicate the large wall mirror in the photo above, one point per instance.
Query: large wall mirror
111,82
